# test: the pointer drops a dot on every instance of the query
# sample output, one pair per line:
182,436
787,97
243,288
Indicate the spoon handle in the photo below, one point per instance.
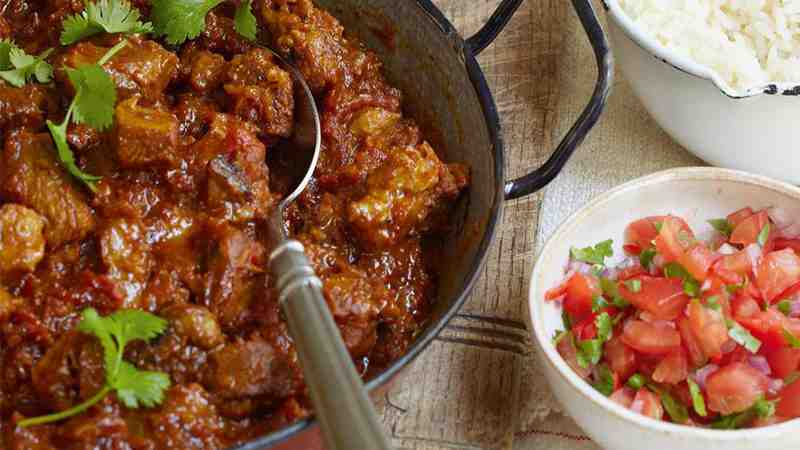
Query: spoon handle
345,413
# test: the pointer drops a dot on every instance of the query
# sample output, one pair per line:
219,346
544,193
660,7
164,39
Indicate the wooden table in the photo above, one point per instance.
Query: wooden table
479,385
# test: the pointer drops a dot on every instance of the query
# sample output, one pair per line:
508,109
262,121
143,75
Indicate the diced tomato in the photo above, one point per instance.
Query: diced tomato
728,277
735,388
673,369
697,260
783,361
768,421
766,326
789,404
739,262
656,338
581,289
642,232
697,357
556,292
737,217
566,348
621,358
673,240
630,272
648,404
632,249
623,396
585,329
708,327
746,232
664,298
782,243
777,272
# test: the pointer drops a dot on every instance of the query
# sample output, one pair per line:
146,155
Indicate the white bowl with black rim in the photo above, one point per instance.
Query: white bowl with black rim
751,129
695,194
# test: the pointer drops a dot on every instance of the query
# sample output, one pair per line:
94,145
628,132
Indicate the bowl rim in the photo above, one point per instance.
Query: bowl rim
685,64
581,387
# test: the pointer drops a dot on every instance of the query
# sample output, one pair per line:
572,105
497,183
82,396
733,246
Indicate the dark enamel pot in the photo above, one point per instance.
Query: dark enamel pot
446,91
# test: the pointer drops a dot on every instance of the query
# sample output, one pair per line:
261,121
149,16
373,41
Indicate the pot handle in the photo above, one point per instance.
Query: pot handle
539,178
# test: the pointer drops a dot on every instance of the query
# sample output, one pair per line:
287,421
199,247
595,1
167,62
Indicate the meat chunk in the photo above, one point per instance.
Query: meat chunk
8,303
401,194
70,372
22,241
261,92
247,368
25,107
202,69
33,178
232,270
145,136
126,256
143,67
240,161
195,114
187,420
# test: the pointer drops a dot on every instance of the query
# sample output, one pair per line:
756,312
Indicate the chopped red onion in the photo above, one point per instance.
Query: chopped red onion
754,252
611,273
795,309
579,267
727,249
728,346
760,363
637,405
701,375
785,224
657,264
775,385
706,285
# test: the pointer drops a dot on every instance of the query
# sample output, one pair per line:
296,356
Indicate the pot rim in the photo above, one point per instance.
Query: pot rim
584,389
492,121
680,62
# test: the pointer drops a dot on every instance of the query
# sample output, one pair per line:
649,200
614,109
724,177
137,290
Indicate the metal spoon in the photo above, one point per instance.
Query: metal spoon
345,413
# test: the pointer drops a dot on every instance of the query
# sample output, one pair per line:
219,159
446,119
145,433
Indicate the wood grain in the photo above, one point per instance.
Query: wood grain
479,385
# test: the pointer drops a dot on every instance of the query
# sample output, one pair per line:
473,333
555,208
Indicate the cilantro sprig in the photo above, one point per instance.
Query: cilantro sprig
104,16
133,387
590,351
93,105
761,408
181,20
594,255
723,226
17,67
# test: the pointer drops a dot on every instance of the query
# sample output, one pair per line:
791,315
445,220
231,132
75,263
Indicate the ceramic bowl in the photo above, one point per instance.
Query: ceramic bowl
696,194
750,130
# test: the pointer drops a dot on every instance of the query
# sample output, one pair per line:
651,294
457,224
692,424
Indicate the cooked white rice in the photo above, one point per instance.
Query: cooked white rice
748,42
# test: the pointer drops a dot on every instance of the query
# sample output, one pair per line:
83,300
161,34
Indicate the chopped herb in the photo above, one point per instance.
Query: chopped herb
636,381
93,104
611,290
659,226
646,257
764,408
698,402
785,306
634,285
743,337
566,320
594,255
103,16
713,303
589,352
599,303
559,336
723,226
677,411
597,269
605,381
763,236
18,67
734,421
244,21
734,288
793,341
134,387
603,324
691,287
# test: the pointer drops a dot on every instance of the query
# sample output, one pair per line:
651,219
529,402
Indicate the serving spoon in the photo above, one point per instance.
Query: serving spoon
345,412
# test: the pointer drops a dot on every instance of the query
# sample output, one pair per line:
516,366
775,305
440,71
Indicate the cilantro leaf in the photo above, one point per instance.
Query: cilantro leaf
634,285
133,387
690,286
611,290
95,96
763,236
723,226
599,303
713,303
636,381
677,411
18,67
103,16
764,408
589,352
646,257
793,341
559,336
743,337
761,408
593,255
136,387
698,402
67,158
244,21
180,20
605,382
604,326
785,306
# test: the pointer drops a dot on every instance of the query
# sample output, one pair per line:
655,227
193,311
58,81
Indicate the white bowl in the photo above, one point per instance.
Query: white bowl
696,194
752,130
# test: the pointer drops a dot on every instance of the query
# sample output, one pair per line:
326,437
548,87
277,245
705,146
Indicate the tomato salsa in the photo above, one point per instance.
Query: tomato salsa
696,331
